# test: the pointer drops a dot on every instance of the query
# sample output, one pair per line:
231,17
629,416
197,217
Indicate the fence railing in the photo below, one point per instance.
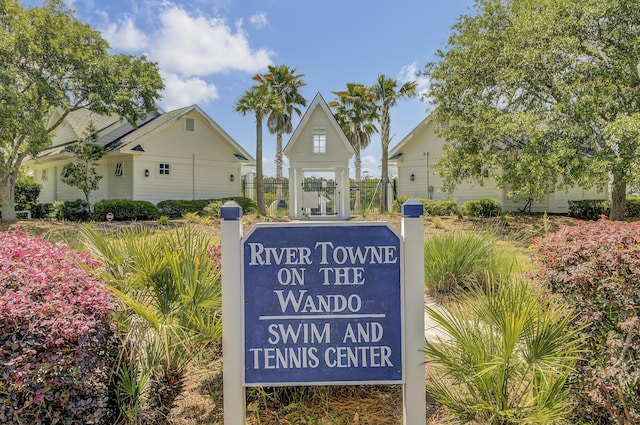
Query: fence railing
366,193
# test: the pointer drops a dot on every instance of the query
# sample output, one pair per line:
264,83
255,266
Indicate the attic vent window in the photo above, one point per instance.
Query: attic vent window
319,140
118,170
164,169
190,124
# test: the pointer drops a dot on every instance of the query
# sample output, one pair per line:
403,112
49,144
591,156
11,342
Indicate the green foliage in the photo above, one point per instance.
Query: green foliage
164,220
81,173
213,209
42,211
542,94
595,268
589,209
78,210
633,206
125,210
506,358
56,335
191,217
26,194
53,62
482,208
453,260
178,208
170,286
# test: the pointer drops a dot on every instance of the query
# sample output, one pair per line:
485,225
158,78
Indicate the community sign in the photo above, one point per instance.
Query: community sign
322,304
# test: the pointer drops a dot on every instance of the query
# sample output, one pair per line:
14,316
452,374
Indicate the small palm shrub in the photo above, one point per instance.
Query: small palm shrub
595,267
55,334
451,260
507,358
169,286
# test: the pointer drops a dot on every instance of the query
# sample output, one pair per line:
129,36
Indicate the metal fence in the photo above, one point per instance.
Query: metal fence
364,197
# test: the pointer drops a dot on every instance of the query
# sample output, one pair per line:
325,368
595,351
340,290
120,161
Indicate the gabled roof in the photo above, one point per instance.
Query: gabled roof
318,102
130,141
79,120
396,152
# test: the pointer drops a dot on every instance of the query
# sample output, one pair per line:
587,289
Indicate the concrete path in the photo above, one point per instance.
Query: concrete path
432,330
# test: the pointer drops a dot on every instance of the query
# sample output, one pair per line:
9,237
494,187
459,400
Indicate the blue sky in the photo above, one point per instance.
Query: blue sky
208,50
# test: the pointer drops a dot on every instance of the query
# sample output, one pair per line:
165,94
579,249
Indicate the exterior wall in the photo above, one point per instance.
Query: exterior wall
302,154
424,149
119,187
53,189
201,164
63,134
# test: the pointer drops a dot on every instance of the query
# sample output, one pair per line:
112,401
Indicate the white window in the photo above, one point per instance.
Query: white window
190,124
164,169
45,175
319,140
118,170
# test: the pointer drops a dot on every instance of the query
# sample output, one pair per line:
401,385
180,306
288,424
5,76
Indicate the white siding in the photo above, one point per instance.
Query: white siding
119,187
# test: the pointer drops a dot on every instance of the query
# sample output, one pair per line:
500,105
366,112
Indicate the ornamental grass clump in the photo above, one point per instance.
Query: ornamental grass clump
55,334
595,267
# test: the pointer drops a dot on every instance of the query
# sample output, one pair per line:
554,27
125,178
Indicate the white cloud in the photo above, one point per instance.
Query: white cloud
410,73
199,45
180,92
259,20
369,160
125,36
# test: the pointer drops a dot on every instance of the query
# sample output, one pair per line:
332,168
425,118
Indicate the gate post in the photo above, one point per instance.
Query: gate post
232,353
414,395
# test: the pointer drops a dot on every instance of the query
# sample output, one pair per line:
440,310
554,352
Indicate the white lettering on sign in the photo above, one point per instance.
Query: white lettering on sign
301,302
266,256
375,356
285,358
357,254
304,333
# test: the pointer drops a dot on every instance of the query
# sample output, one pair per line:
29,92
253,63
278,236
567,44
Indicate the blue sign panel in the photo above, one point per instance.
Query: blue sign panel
322,304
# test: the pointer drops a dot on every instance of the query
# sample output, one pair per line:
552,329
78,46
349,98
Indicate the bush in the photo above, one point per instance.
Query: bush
176,208
213,209
487,207
26,194
125,209
595,267
633,207
589,209
442,208
77,210
41,211
54,327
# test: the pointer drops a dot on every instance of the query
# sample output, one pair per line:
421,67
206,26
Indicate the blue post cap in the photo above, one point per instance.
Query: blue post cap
231,210
412,208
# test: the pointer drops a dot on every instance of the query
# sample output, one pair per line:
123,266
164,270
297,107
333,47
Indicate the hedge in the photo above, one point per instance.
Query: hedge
593,209
125,210
176,208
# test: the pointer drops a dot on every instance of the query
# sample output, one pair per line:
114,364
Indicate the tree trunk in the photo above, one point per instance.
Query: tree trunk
618,197
384,172
7,198
259,177
358,164
279,164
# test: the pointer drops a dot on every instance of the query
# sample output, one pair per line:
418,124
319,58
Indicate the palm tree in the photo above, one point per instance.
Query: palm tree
262,102
355,113
387,93
284,83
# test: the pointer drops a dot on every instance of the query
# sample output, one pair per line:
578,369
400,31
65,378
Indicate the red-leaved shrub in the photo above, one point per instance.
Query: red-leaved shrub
595,267
55,325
